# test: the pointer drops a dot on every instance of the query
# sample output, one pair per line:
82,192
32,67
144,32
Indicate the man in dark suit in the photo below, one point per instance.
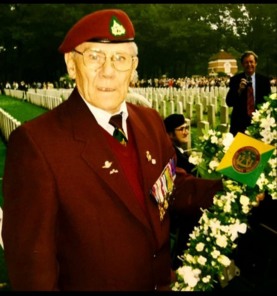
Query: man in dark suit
246,255
82,210
237,94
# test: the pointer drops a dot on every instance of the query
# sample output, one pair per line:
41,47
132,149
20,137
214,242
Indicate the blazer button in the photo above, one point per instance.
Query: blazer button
155,256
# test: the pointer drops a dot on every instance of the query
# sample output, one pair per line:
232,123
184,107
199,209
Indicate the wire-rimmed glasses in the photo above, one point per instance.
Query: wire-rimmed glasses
182,129
95,59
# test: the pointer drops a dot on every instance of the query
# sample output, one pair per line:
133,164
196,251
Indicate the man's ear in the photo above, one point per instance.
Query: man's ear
70,65
135,63
134,73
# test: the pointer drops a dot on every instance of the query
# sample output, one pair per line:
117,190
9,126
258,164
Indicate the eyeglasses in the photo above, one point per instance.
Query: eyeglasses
95,59
182,129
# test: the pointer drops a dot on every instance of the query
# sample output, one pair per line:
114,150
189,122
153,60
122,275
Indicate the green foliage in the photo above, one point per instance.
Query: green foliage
174,38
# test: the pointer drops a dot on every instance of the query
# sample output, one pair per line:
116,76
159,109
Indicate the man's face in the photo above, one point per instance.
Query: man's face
249,65
103,84
180,135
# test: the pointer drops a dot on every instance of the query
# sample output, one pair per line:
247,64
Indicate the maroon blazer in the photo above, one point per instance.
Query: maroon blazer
68,224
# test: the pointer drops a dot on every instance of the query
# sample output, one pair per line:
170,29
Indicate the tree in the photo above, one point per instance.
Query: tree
177,39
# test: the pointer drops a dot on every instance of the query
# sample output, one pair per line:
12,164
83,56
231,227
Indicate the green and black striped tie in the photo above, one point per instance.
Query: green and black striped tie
116,121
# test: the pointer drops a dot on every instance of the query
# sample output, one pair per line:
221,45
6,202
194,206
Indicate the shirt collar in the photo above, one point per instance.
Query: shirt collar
180,149
102,117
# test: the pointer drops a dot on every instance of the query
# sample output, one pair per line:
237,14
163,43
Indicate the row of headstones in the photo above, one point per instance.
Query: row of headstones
189,101
191,94
198,120
46,101
150,93
53,92
7,123
171,91
179,104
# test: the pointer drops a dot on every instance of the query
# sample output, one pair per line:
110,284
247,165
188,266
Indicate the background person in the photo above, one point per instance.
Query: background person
178,131
81,211
237,94
262,217
180,225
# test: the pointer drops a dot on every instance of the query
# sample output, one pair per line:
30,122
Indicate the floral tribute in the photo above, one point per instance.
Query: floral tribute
214,239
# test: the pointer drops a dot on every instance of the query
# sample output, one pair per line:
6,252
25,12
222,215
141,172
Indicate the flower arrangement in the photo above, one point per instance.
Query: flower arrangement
213,240
264,127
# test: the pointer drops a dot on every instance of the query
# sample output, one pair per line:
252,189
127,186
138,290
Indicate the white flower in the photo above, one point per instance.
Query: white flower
195,158
190,275
213,164
214,139
215,254
244,200
227,207
221,241
237,228
227,140
206,279
224,260
202,260
268,122
200,247
189,258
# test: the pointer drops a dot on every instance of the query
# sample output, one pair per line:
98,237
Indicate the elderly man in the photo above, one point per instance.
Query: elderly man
86,200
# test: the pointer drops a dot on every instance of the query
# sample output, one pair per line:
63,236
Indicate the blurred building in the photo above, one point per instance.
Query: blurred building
222,62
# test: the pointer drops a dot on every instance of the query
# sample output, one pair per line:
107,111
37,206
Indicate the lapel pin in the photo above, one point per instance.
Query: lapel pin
149,157
107,164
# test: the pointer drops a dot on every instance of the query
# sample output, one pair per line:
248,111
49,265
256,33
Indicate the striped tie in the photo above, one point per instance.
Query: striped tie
250,97
116,121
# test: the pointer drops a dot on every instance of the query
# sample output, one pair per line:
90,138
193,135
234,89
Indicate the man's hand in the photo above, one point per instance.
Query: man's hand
242,85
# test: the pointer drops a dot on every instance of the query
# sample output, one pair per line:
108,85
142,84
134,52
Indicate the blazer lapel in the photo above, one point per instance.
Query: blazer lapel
150,169
101,160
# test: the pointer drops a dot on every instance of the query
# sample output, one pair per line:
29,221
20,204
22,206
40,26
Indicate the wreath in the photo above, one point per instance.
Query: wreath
212,242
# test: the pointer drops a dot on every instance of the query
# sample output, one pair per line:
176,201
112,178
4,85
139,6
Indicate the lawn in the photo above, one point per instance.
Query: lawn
21,110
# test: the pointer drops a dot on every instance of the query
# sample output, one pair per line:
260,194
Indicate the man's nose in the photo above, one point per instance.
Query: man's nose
108,67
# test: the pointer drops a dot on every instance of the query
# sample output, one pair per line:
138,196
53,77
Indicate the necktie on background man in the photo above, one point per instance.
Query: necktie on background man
116,121
250,97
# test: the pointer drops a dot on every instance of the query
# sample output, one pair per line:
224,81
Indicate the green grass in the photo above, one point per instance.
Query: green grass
21,110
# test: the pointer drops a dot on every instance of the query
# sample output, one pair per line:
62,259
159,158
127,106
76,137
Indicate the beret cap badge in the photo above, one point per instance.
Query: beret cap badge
116,28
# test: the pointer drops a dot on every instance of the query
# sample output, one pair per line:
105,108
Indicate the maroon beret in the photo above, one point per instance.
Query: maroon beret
108,25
